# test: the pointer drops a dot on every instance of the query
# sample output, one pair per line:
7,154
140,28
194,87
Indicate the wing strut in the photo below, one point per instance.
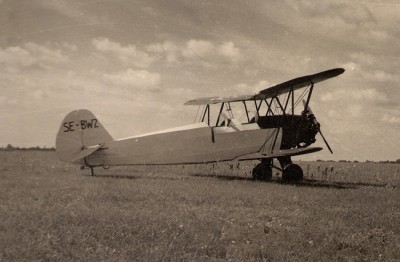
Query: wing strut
309,96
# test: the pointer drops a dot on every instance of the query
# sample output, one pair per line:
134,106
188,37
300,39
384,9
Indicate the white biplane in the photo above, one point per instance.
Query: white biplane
269,128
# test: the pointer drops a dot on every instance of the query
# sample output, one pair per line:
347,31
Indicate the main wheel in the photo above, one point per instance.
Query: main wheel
262,172
292,172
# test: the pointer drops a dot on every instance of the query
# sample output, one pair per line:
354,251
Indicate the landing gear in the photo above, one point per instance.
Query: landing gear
91,169
263,170
291,172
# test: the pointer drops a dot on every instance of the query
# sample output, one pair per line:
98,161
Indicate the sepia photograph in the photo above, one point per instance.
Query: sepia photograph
178,130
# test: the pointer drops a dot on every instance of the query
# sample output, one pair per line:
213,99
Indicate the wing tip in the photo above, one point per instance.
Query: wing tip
335,71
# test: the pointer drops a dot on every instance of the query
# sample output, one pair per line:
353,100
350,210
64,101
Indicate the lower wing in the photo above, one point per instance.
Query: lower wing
279,153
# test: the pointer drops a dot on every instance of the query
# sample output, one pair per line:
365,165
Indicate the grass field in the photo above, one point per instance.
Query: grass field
53,211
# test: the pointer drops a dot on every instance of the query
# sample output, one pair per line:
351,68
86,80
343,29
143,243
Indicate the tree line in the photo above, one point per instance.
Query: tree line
10,147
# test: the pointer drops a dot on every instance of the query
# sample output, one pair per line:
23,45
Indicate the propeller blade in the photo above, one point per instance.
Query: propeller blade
308,107
319,129
326,142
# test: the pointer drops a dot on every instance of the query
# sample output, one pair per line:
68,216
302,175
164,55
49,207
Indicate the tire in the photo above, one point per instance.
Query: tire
292,172
262,172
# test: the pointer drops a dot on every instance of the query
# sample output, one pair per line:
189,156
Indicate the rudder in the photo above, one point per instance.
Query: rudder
79,130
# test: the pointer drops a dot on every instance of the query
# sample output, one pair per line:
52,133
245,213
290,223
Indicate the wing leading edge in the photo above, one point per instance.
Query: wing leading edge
273,91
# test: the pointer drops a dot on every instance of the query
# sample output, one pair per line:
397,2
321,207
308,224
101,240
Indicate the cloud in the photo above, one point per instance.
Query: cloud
71,10
391,119
363,58
247,89
355,14
378,35
330,11
368,68
4,100
168,48
368,94
69,46
381,76
135,79
128,54
201,49
351,66
39,94
230,51
198,49
15,58
354,110
45,54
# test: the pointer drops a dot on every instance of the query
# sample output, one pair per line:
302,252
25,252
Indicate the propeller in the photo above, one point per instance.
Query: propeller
326,142
308,109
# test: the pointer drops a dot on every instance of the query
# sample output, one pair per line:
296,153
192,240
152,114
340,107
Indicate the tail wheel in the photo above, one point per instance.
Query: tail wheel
262,172
292,172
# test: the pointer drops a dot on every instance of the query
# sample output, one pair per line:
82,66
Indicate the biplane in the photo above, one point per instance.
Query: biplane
264,126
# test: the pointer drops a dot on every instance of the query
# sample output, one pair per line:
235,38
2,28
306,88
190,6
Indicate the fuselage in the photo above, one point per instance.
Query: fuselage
196,143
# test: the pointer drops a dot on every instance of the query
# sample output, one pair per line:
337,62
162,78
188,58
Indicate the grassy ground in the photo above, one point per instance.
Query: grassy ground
51,211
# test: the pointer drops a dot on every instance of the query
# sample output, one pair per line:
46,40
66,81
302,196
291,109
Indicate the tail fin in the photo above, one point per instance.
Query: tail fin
80,134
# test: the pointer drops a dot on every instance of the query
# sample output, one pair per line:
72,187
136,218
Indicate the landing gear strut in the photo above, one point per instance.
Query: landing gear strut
291,172
91,169
263,170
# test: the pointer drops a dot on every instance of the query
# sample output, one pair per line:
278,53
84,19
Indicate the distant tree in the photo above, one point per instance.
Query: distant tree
10,147
397,161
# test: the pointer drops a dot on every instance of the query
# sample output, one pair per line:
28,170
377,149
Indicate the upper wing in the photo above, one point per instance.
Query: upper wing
271,91
299,83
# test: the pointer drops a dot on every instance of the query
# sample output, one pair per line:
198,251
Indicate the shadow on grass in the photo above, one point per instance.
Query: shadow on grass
222,177
150,176
115,176
303,183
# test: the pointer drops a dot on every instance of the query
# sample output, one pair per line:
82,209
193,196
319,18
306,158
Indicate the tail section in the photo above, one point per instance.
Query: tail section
80,135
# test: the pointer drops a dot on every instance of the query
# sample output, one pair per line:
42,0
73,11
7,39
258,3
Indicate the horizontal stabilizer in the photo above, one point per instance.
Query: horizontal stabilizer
86,152
279,153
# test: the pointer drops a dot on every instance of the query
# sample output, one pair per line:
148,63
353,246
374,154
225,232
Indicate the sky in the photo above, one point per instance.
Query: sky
134,64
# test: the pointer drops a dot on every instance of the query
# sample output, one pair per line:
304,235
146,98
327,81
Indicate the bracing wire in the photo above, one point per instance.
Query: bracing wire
277,108
197,114
301,96
284,99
